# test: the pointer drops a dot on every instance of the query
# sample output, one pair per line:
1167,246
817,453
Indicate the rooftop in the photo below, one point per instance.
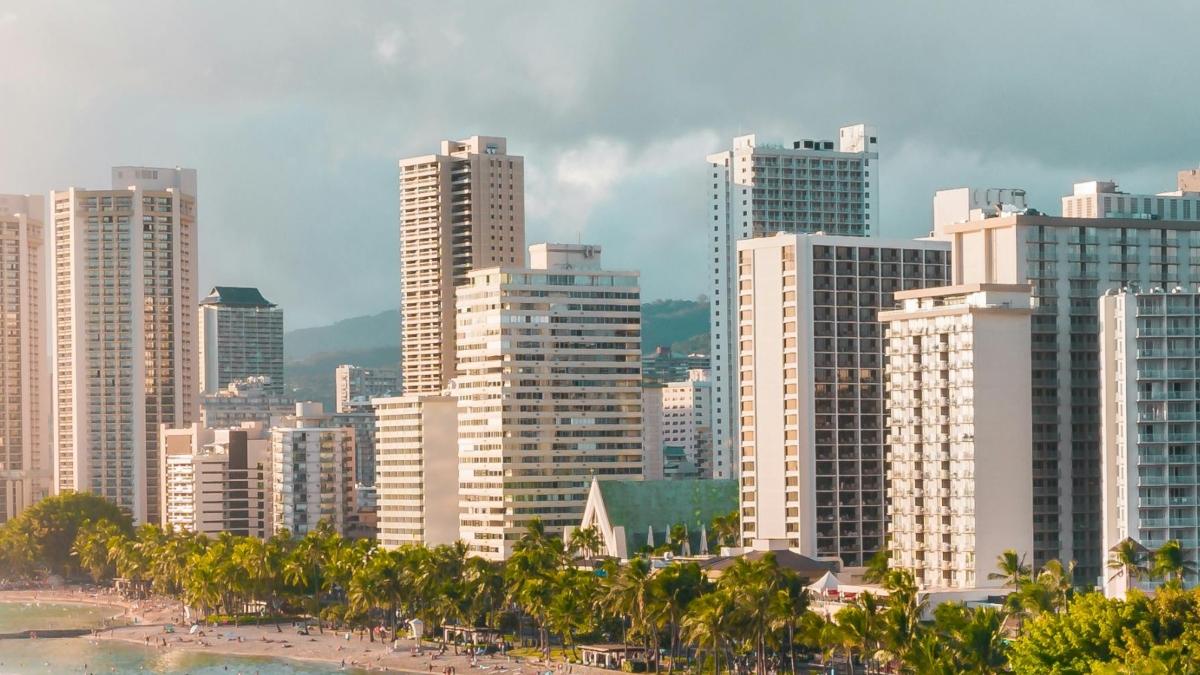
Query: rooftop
236,296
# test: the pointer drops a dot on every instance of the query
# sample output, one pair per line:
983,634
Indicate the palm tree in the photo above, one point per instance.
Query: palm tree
91,548
706,624
853,627
980,642
586,541
631,594
900,623
727,528
678,586
529,575
1059,581
1011,568
1169,563
1127,559
877,567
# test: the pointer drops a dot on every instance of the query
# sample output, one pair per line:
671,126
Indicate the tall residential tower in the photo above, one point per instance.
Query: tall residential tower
241,336
461,209
26,469
759,189
125,355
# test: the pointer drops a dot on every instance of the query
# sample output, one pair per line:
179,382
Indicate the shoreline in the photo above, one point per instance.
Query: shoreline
148,619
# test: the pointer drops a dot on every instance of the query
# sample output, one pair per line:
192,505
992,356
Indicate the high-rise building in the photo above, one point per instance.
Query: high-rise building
686,416
462,209
125,355
812,413
1150,447
417,470
312,473
26,465
1070,262
759,189
960,484
241,335
356,385
217,480
549,391
360,416
652,431
247,400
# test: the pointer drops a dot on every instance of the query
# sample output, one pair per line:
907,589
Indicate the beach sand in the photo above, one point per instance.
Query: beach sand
147,619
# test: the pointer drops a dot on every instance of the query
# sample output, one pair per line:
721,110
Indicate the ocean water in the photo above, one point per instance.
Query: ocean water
82,655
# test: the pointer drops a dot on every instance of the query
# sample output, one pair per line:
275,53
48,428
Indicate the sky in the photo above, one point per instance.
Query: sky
295,113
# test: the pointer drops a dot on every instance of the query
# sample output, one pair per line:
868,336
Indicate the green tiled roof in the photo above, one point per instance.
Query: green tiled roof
638,505
239,296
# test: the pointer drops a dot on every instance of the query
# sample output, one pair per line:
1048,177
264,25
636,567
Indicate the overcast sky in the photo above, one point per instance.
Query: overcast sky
294,113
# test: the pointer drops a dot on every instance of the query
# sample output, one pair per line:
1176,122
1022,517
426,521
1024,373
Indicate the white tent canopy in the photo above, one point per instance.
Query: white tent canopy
826,583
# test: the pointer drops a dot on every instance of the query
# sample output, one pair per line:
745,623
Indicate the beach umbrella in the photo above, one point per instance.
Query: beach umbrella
650,536
703,540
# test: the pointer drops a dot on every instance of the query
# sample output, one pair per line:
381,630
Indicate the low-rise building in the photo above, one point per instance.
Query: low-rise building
247,400
216,480
632,515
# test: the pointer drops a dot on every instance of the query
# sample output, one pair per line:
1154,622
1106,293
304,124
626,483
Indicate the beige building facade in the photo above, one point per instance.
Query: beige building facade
125,355
217,480
810,386
549,385
461,209
417,470
960,483
26,464
1070,263
759,189
312,473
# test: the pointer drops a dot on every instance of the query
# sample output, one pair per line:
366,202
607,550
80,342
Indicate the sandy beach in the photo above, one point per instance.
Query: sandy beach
143,623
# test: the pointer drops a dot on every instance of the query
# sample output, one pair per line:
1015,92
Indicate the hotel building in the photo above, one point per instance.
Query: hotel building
417,470
1070,262
810,385
241,335
960,486
759,189
1102,199
312,473
1149,442
461,209
217,480
125,355
686,419
26,464
549,391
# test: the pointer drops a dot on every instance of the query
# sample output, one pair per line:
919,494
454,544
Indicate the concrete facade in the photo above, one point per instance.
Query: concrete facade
241,336
217,480
1071,262
687,419
461,209
759,189
245,400
125,355
312,473
355,385
1150,448
26,461
810,385
960,483
549,385
417,470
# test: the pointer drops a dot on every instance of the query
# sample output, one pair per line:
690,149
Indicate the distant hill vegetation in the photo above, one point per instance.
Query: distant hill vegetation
312,354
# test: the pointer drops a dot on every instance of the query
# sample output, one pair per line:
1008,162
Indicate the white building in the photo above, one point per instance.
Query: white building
312,473
960,483
26,462
759,189
1102,199
241,336
217,480
549,390
356,386
417,470
1071,262
811,386
1150,446
687,419
247,400
125,355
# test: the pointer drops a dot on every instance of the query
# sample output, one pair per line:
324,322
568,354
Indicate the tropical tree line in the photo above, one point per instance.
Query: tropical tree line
756,616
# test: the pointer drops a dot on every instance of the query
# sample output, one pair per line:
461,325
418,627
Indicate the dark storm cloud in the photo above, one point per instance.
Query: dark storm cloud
295,113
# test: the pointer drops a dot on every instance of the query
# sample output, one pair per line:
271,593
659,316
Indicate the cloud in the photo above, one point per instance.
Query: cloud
387,46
